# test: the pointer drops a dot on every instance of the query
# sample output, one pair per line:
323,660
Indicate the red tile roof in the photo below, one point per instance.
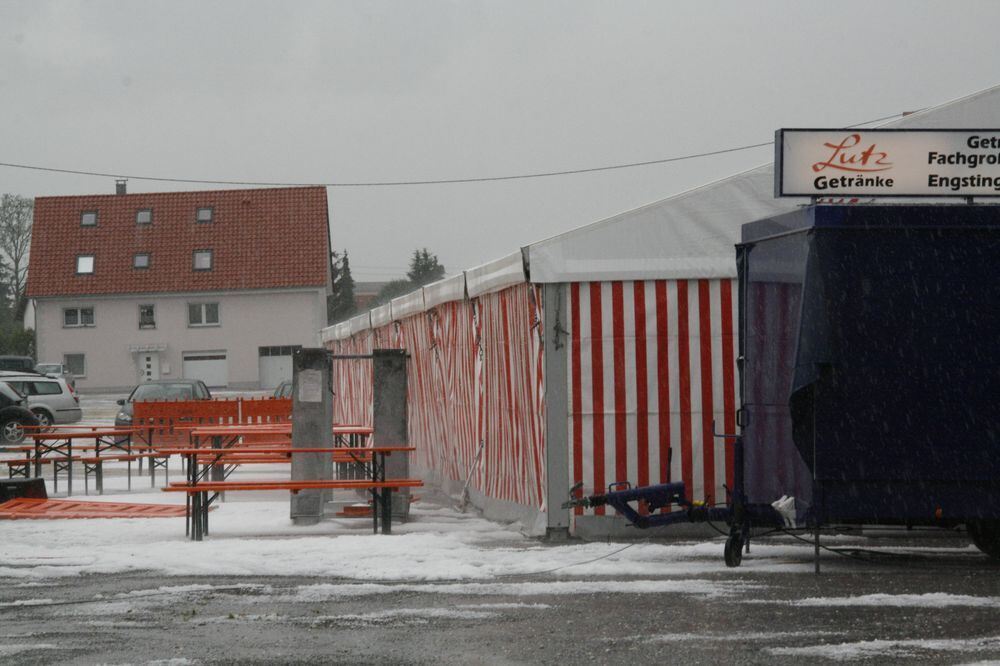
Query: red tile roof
260,239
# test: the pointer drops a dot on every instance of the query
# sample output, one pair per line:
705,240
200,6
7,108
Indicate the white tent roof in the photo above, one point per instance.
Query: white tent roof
381,315
444,291
408,304
340,331
361,322
692,234
687,236
496,274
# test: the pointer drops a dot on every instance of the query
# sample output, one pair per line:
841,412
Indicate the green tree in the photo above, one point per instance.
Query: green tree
424,268
16,340
390,291
340,303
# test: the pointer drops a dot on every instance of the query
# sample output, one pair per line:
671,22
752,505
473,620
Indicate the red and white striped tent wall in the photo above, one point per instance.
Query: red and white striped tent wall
474,381
632,365
652,377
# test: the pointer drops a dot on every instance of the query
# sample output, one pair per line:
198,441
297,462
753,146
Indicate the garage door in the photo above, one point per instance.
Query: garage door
210,367
275,365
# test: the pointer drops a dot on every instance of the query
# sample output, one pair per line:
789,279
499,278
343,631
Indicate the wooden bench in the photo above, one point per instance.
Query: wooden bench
202,461
92,464
95,465
199,504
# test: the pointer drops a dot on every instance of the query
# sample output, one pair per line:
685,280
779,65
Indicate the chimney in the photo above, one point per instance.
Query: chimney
120,186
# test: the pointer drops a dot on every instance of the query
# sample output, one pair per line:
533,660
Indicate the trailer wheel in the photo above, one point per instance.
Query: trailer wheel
733,552
985,534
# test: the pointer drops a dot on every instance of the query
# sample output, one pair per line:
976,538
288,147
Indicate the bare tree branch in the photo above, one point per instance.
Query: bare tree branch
15,245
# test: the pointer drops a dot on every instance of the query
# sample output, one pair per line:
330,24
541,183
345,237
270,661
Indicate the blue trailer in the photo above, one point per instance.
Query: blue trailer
869,377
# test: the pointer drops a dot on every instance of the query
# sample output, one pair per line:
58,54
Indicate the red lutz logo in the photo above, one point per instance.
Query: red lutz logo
847,156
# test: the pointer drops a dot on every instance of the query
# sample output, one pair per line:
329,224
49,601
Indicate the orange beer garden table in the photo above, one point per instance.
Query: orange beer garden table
60,445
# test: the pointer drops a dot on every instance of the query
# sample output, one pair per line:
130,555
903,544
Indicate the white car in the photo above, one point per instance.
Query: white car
50,399
56,370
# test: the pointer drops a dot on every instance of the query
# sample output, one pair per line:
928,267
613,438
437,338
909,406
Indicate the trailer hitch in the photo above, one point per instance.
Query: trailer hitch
656,497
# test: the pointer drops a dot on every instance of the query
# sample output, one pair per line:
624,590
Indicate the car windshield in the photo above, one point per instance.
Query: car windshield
163,392
45,368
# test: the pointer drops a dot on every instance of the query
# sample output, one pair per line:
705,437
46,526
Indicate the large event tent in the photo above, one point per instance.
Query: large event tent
604,354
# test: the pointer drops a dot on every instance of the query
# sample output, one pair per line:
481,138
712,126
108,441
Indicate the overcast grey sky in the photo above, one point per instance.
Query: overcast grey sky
375,91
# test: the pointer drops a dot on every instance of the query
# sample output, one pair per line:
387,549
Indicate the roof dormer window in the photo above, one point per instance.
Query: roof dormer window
88,218
144,216
84,264
140,260
202,260
205,214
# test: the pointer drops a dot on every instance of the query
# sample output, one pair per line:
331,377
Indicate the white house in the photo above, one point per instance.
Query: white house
218,285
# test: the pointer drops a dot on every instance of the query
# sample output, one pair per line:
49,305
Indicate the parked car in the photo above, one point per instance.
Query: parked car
17,363
50,399
162,389
56,370
14,415
284,389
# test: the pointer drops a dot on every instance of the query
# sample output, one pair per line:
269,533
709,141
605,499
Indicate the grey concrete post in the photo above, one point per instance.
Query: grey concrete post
389,419
312,427
555,350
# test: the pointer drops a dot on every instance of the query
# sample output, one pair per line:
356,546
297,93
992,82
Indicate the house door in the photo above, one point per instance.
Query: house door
149,366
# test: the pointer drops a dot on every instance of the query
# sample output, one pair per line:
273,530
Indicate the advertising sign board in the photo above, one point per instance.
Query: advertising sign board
887,163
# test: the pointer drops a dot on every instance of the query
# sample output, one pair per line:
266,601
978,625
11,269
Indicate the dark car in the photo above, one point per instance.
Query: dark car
14,415
163,389
17,363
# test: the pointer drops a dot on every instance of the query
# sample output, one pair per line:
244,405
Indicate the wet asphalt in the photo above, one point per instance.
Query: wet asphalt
749,618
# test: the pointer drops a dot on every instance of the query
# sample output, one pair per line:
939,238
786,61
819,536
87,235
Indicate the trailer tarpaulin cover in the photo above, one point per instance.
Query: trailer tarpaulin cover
652,369
871,370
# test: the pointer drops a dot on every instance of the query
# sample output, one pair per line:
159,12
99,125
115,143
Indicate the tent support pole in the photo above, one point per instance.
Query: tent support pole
555,310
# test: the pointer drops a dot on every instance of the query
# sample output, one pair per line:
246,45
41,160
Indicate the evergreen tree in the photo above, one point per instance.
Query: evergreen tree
424,268
340,303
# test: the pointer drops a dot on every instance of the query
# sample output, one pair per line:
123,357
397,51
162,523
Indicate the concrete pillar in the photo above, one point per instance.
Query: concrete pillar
555,348
312,427
389,419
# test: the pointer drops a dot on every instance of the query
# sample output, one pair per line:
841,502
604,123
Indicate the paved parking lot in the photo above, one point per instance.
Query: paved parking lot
943,610
455,588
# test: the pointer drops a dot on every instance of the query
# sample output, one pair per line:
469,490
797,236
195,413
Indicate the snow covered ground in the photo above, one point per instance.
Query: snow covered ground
448,587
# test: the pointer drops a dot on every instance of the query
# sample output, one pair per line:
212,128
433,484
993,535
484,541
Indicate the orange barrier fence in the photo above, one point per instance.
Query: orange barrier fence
167,422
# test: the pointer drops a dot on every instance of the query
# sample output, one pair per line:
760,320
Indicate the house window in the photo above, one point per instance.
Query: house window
76,364
147,316
144,216
78,317
84,264
140,260
88,218
205,214
203,260
203,314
